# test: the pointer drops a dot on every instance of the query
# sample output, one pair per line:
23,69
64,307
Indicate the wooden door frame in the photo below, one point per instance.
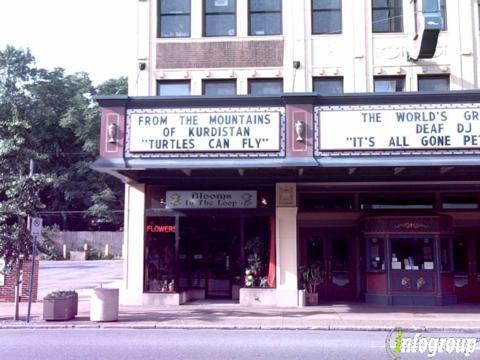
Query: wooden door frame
330,233
472,292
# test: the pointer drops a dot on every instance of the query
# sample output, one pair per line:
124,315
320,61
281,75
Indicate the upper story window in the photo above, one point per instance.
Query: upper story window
265,86
443,8
326,16
389,84
265,17
173,87
219,19
328,85
387,16
219,87
433,83
173,18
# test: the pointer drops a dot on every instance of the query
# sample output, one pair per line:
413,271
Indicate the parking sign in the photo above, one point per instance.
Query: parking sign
36,226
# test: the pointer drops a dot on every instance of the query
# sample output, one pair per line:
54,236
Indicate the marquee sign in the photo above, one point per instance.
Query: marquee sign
204,130
399,127
211,200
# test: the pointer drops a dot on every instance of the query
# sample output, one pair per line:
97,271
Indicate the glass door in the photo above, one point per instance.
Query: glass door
333,253
466,265
341,267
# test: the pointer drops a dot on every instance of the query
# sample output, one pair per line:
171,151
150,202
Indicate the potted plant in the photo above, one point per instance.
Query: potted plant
311,276
60,305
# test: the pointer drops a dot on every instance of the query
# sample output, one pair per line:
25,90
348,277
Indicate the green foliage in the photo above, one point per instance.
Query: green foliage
61,294
311,276
51,117
47,248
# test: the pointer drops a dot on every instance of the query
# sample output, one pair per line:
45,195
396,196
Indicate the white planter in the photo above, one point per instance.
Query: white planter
104,305
258,297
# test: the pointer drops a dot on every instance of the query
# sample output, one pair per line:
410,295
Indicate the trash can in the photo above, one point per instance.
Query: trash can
104,305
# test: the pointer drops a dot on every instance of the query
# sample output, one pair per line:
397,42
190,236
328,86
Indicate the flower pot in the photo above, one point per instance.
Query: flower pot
311,299
58,309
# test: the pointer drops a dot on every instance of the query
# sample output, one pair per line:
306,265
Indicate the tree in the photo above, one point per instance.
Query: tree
19,194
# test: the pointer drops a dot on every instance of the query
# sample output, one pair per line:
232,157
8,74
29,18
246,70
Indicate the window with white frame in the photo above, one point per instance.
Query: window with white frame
219,18
219,87
265,17
387,16
327,86
326,16
173,18
389,83
433,83
265,86
173,87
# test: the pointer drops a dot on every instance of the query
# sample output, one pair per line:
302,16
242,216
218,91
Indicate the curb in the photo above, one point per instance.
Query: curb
112,326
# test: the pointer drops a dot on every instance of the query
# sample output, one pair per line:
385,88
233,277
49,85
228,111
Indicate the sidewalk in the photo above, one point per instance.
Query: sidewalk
221,315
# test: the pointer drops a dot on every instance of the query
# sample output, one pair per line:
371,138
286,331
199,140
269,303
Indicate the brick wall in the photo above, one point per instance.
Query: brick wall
7,292
221,54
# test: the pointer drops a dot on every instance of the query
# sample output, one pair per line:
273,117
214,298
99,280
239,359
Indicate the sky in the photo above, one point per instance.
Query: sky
95,36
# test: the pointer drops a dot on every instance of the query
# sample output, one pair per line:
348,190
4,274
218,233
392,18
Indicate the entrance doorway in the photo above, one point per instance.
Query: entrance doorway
334,253
466,264
209,254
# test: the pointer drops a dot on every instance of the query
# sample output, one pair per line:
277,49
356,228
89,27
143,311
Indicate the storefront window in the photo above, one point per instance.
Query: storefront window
258,252
160,254
375,254
412,253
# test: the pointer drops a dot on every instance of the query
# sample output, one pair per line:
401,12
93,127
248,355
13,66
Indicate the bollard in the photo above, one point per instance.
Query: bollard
85,247
65,251
106,250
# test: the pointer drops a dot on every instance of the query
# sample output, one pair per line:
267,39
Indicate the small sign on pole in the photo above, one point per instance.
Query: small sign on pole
36,231
36,226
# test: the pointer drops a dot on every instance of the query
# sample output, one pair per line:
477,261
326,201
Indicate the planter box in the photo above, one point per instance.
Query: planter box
104,304
59,309
311,299
78,255
258,296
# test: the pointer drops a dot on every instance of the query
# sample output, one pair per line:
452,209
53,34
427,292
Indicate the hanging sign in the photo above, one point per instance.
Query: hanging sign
216,131
400,127
211,199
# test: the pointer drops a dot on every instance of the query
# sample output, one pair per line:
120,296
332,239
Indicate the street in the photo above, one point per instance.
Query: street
158,344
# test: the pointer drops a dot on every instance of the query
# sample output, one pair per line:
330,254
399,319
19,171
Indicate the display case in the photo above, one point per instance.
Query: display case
408,260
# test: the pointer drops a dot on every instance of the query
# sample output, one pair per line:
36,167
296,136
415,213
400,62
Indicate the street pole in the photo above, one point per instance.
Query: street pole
32,276
34,251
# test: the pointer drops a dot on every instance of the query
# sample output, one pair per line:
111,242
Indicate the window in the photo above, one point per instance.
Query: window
387,16
265,86
326,17
219,87
173,88
433,83
219,17
328,85
265,17
389,84
173,18
412,253
443,8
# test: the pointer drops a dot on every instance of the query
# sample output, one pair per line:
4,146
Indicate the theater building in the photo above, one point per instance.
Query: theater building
254,149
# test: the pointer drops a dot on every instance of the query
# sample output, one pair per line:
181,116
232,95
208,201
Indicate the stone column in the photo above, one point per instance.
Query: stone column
133,245
286,231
